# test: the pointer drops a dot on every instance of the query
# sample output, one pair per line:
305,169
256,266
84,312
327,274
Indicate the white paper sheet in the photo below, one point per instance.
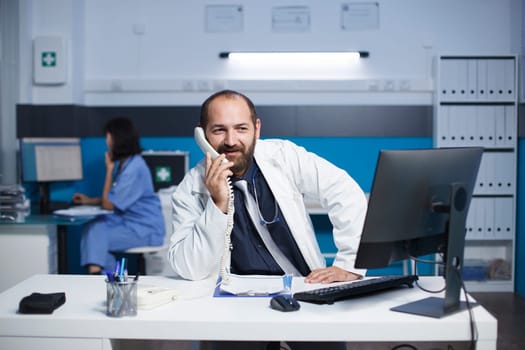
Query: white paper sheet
253,285
82,211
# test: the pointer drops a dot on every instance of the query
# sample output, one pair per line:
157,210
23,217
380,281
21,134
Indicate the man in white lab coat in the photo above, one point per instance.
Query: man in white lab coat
289,174
280,176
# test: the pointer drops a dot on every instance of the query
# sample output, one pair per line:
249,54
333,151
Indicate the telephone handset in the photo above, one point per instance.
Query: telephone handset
200,138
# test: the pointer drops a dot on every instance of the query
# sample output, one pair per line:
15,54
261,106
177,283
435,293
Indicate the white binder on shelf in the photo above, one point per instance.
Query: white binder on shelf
462,80
511,124
479,226
490,173
446,79
500,129
460,125
509,80
485,126
496,79
504,217
454,127
482,80
472,80
471,219
489,218
442,127
505,169
472,123
481,180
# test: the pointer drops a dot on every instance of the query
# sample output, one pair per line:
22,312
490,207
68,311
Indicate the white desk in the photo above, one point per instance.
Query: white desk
197,315
26,250
34,244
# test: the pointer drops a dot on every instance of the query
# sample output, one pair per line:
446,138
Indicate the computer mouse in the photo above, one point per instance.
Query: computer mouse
284,302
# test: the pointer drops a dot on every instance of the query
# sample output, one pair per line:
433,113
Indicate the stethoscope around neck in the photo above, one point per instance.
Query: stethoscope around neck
261,217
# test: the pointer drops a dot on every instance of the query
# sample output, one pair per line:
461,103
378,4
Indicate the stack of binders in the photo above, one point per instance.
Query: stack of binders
13,203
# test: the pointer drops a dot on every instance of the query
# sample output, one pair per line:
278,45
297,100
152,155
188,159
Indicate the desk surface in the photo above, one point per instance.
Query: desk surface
39,219
198,315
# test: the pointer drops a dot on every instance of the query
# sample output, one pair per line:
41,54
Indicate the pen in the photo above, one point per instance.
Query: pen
117,268
122,267
109,276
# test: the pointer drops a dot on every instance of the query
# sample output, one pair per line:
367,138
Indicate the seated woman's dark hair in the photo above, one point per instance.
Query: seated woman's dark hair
126,140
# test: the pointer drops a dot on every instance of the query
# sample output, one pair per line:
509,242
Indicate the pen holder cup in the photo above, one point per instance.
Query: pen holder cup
121,298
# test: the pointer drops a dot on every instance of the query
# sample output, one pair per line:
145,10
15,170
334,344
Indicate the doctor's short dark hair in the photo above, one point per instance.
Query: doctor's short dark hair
230,94
126,140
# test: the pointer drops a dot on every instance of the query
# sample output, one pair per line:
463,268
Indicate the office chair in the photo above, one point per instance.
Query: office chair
140,253
143,251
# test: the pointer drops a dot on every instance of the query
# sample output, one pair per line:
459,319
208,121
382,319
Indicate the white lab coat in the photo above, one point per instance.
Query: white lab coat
293,175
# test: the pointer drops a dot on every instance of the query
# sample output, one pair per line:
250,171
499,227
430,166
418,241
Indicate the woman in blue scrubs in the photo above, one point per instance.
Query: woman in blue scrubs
137,218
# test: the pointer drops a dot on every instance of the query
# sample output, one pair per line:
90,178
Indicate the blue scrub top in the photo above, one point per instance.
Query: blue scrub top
137,206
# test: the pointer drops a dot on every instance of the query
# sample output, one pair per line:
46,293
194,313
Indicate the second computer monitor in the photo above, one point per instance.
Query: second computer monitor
418,206
167,167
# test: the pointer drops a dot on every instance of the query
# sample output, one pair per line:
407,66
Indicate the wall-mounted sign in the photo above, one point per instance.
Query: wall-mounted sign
360,16
291,19
224,18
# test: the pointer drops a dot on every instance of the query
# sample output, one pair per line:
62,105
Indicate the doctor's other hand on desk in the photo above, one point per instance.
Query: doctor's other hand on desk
127,190
272,233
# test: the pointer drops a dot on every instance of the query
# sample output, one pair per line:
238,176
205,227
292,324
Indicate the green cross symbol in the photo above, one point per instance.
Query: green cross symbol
49,59
162,174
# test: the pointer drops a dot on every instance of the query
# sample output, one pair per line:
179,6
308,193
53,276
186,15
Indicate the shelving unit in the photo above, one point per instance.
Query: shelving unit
476,105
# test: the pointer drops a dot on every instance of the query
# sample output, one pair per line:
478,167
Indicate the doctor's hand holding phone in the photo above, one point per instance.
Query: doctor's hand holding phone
217,172
217,180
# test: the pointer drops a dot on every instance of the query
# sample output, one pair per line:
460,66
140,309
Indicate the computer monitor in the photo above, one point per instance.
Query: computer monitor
46,160
167,167
418,206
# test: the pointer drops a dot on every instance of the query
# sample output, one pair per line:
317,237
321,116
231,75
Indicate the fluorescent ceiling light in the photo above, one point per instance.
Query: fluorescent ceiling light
325,56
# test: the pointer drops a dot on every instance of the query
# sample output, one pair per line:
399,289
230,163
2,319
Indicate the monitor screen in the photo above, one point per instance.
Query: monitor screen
50,159
167,167
418,206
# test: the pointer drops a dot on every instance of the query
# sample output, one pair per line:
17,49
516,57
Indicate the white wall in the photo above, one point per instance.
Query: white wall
174,61
140,52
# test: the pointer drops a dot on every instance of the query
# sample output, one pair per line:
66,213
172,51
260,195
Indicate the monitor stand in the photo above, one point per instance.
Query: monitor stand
456,231
43,189
46,206
431,307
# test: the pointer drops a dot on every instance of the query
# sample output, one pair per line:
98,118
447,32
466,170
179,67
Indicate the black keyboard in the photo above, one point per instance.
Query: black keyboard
329,295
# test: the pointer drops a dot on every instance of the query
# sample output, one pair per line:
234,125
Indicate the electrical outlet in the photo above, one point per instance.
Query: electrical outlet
187,85
373,85
389,85
203,85
404,85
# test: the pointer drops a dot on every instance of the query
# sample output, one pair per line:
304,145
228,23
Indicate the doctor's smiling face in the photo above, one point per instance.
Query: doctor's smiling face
232,128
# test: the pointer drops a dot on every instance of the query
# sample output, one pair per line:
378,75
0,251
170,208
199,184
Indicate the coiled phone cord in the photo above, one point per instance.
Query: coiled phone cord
226,256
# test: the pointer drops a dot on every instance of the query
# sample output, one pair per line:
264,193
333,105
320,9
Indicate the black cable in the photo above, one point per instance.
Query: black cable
473,328
472,322
417,281
427,261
